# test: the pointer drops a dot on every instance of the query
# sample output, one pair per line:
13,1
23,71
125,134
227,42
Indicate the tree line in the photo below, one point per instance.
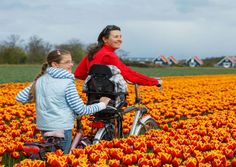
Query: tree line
15,50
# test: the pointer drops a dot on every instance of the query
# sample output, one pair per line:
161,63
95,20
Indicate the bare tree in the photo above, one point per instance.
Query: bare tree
13,41
37,49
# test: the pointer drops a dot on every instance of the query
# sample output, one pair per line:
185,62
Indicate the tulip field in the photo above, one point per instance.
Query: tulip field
196,116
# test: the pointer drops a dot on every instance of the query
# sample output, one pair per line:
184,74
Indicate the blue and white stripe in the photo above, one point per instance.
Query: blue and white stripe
60,73
76,103
23,96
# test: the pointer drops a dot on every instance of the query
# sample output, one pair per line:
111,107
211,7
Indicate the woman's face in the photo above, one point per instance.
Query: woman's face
114,40
66,63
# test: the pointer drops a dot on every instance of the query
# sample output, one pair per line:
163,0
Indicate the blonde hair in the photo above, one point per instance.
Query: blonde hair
53,56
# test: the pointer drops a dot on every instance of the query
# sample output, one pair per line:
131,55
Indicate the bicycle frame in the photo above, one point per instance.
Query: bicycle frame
139,112
137,117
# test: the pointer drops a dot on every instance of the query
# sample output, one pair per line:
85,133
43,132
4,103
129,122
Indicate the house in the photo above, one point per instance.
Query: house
228,61
194,62
161,60
172,60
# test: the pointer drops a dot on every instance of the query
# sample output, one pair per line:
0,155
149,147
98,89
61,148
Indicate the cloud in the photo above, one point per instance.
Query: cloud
178,27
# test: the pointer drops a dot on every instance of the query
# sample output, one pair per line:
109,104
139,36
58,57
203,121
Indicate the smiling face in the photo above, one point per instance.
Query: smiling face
66,63
114,39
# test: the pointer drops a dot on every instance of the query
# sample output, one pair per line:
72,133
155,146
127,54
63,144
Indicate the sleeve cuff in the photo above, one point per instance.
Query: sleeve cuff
101,106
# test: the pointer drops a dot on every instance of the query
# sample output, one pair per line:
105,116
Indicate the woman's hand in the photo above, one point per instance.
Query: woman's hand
105,100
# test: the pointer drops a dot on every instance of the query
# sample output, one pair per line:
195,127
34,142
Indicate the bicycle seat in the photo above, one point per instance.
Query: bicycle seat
57,133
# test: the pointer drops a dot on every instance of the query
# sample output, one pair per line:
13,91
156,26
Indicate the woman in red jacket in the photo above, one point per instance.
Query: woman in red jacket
103,52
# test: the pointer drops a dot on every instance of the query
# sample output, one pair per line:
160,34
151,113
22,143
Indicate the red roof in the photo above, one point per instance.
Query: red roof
198,60
232,58
164,59
173,59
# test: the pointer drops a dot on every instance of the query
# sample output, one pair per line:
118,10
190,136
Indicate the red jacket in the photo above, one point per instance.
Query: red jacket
106,55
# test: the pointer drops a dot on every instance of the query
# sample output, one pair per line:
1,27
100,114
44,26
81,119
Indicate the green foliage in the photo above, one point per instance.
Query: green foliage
211,62
12,55
13,51
9,161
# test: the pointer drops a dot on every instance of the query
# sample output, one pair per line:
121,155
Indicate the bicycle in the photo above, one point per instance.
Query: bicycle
108,122
141,123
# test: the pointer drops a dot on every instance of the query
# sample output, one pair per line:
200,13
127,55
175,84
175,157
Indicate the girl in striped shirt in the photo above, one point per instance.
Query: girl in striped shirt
56,97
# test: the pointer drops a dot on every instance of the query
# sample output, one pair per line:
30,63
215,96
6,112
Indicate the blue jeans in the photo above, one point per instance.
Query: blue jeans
65,143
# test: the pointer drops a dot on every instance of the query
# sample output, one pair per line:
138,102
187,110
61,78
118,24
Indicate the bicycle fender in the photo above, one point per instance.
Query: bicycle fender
99,134
143,120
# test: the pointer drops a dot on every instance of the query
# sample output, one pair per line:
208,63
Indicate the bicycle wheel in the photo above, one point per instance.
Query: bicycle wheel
83,143
106,133
145,125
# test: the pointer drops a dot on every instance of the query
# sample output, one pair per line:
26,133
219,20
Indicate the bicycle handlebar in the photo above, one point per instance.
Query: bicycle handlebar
108,106
137,99
111,107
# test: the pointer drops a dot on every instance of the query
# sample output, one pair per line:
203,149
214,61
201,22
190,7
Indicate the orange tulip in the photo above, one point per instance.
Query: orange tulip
114,163
116,153
15,154
94,157
127,159
155,162
143,162
191,162
176,161
233,162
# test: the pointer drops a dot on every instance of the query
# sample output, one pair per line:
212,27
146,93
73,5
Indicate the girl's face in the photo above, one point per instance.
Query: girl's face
66,63
114,40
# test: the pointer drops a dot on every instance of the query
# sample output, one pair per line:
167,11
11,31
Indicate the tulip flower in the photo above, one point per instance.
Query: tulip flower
155,162
127,159
165,157
233,162
94,157
143,161
217,162
191,162
15,154
78,152
59,152
114,163
176,161
2,150
116,153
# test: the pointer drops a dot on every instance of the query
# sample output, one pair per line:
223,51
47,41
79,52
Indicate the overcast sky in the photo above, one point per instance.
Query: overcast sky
183,28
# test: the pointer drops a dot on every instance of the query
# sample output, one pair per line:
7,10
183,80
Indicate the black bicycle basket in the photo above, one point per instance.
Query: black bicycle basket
100,85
